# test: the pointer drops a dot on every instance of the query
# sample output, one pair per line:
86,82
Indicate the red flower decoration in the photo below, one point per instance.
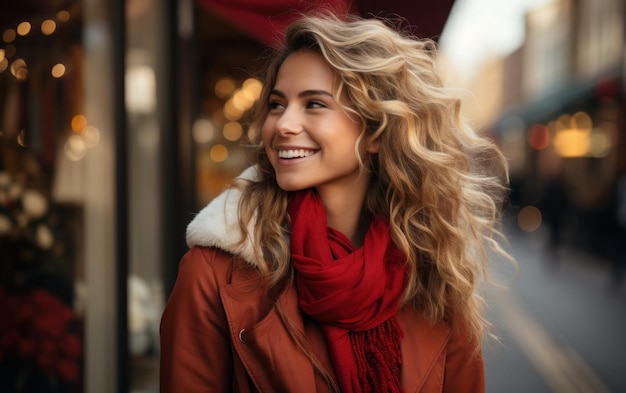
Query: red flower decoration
36,327
67,369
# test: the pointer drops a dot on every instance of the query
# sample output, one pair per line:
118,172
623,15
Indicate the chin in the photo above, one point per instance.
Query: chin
290,187
290,184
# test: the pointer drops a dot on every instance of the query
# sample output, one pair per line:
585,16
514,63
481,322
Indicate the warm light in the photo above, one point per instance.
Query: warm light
232,131
91,136
21,74
21,138
79,122
224,88
140,89
9,35
19,69
63,16
231,111
529,219
219,153
572,138
599,143
538,136
2,55
58,70
48,27
581,121
241,100
23,28
202,131
252,87
572,143
75,148
4,64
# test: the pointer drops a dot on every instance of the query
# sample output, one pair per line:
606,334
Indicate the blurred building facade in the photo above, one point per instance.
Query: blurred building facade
560,119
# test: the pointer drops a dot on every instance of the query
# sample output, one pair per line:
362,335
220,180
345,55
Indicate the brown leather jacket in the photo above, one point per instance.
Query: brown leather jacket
220,332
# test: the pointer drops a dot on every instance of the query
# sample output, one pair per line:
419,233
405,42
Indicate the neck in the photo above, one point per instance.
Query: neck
345,213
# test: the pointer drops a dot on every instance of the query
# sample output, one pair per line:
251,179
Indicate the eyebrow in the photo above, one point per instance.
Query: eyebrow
305,93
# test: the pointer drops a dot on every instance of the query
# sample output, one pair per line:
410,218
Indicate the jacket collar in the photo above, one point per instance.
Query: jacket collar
217,224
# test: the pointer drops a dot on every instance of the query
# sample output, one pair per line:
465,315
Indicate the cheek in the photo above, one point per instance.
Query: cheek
266,133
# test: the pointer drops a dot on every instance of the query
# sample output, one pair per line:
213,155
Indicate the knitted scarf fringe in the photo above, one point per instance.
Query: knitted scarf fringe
379,357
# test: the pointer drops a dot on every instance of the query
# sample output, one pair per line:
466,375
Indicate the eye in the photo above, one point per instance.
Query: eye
274,104
314,104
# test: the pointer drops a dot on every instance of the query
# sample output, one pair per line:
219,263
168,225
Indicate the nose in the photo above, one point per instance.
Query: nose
289,122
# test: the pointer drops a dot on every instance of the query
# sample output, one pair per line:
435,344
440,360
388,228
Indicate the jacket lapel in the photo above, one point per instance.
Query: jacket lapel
423,352
261,340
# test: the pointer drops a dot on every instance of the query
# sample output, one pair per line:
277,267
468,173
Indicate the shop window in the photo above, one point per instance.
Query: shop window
44,134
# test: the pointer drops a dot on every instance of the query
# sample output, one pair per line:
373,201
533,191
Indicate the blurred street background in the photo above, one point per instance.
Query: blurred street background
560,321
119,119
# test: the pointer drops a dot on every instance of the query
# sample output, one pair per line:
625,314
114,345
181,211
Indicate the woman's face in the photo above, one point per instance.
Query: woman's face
309,139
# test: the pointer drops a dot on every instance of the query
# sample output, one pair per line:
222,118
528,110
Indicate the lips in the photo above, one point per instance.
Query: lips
295,153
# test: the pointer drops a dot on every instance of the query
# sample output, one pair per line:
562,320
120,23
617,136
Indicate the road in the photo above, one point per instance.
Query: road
561,328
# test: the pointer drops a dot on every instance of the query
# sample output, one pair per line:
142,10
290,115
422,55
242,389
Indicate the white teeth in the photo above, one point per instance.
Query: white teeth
294,153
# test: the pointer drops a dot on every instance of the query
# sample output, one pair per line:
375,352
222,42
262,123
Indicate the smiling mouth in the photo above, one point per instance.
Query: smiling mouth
297,153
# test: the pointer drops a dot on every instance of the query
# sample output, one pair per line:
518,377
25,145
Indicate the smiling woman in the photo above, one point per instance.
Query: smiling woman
346,258
310,138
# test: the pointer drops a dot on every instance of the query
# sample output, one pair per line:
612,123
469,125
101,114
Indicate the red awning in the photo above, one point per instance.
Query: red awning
265,20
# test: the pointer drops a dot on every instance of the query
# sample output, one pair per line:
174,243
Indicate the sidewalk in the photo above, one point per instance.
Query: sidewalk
562,329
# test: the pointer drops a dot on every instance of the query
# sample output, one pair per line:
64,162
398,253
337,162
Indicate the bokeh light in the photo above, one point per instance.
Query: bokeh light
48,27
58,70
23,28
9,35
529,219
539,136
232,131
203,131
219,153
79,122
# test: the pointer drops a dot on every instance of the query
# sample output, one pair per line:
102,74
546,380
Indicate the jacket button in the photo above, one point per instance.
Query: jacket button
241,336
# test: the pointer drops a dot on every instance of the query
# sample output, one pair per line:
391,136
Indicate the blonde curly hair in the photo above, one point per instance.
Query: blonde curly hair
438,182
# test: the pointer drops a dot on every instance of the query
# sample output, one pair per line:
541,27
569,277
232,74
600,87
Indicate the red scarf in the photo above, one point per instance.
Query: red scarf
352,293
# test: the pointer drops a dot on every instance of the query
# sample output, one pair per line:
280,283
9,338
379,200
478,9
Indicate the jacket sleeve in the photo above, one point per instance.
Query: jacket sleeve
464,371
195,344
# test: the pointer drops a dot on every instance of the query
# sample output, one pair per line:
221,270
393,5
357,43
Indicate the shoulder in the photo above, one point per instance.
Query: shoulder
446,335
210,270
217,224
439,355
199,272
422,333
200,260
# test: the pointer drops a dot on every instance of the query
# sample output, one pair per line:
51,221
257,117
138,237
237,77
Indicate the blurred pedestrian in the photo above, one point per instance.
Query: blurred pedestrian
346,258
619,234
555,207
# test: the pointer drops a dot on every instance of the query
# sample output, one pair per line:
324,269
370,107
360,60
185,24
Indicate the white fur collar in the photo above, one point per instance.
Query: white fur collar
217,224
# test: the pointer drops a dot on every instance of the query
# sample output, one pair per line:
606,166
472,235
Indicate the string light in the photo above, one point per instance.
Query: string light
84,136
19,69
79,122
58,70
219,153
48,27
23,28
63,16
9,35
232,131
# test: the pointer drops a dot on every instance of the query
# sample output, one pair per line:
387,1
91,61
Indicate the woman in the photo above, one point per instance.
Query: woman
346,258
